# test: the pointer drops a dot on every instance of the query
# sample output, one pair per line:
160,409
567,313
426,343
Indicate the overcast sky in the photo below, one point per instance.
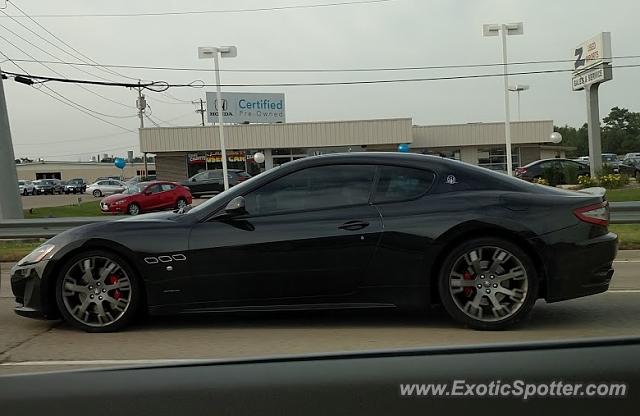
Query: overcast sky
391,34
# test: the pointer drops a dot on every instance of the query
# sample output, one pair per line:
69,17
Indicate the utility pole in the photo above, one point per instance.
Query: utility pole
141,105
201,110
10,202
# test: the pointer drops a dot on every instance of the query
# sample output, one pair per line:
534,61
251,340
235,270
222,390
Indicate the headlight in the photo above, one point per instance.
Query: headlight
37,255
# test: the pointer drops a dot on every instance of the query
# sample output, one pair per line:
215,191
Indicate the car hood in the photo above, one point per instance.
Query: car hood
116,197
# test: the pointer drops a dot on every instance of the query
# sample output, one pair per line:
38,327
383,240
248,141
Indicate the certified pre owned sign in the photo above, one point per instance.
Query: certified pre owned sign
239,107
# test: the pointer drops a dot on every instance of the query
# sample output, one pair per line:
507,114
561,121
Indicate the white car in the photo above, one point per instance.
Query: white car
106,187
26,188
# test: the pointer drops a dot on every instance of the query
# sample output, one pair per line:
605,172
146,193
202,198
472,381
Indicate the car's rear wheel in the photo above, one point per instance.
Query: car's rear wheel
97,291
133,209
181,203
97,193
25,192
488,283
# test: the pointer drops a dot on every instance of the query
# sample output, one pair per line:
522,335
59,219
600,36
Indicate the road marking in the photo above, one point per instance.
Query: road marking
626,261
623,291
107,362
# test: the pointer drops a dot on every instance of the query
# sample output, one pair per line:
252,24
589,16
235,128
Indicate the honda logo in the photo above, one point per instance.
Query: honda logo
224,105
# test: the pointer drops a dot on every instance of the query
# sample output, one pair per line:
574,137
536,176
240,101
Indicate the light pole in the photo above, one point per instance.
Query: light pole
216,53
517,88
504,30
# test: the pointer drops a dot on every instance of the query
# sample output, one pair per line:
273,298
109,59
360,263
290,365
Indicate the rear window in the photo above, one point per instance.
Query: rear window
400,183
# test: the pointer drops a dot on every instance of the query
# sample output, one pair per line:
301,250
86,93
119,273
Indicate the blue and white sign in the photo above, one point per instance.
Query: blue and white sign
240,107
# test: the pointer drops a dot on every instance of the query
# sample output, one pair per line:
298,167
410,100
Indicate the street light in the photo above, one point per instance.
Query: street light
504,30
517,88
216,53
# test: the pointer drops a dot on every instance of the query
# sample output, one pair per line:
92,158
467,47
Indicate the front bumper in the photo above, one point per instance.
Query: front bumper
580,269
27,287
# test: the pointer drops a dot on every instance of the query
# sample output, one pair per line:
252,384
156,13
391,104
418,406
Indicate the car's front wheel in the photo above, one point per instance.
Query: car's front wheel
488,283
133,209
97,193
97,291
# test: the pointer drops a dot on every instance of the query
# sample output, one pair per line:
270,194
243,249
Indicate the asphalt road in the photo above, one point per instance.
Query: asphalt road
33,346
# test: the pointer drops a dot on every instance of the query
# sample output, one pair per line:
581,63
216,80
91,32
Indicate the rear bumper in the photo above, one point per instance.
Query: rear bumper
580,269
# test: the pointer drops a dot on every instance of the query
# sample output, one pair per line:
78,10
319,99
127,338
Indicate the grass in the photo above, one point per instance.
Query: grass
622,195
85,209
629,235
14,250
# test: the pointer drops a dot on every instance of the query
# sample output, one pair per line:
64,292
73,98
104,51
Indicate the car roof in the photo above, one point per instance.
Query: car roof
535,162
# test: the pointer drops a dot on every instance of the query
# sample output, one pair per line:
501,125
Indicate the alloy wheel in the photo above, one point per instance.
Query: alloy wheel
488,283
133,209
181,203
96,291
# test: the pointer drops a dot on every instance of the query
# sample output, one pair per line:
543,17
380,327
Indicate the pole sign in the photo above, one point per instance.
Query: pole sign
592,61
241,108
592,67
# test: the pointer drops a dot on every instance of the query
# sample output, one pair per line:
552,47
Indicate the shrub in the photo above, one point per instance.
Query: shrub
587,181
540,181
551,175
571,174
612,181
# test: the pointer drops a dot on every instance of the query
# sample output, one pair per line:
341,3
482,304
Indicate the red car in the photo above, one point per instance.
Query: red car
145,197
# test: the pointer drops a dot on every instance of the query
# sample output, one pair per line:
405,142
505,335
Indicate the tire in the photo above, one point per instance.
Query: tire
181,203
473,304
133,209
118,306
25,192
97,193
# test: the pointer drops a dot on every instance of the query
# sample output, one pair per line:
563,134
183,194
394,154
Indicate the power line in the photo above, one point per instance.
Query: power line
330,70
220,11
200,84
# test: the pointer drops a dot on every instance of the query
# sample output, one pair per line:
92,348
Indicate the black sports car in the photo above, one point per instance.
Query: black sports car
361,230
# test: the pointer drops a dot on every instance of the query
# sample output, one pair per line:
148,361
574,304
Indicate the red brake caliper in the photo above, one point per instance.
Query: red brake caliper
468,291
113,279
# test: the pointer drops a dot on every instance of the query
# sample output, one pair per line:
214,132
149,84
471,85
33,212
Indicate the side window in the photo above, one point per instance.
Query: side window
154,189
313,188
166,187
103,183
400,183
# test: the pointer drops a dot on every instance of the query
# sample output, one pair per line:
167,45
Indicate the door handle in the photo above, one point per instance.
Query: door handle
354,225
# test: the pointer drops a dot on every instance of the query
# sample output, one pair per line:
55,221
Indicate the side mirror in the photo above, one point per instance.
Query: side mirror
193,179
235,207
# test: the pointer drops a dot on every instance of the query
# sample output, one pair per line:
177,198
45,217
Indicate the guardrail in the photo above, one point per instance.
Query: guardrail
621,213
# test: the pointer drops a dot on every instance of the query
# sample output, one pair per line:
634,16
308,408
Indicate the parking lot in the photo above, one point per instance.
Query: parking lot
30,345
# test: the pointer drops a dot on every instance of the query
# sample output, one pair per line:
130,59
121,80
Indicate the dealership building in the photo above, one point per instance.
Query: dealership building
184,151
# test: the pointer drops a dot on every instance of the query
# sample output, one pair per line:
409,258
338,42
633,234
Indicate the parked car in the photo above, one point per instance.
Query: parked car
631,167
106,187
210,181
536,170
26,188
48,186
631,156
611,159
351,230
147,196
138,179
583,159
106,178
76,185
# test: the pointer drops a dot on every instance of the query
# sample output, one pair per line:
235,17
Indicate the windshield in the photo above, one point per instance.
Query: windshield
133,188
238,190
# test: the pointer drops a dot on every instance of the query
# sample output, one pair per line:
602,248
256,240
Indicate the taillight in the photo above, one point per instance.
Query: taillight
594,214
520,171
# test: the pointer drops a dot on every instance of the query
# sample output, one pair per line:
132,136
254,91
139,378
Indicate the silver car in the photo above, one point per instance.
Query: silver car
106,187
26,188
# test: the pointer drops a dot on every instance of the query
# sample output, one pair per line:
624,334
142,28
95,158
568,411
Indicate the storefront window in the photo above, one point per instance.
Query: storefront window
201,161
494,158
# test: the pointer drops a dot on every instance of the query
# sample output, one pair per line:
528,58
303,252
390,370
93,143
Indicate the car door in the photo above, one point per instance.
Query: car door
167,197
214,181
152,197
307,236
197,182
